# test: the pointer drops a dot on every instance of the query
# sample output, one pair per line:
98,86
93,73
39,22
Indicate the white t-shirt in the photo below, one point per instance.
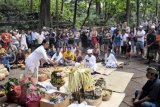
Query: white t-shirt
56,58
141,33
124,39
40,38
34,35
32,61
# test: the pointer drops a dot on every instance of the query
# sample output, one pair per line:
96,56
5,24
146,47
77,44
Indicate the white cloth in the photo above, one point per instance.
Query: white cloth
112,30
110,61
124,39
91,62
33,60
40,38
73,49
141,33
56,58
23,42
83,104
34,35
15,41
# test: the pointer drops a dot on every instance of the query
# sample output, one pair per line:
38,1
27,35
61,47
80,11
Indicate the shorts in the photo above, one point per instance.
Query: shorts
117,44
105,41
140,45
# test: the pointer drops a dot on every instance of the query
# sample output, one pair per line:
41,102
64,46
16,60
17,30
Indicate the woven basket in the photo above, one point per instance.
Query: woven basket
93,102
106,98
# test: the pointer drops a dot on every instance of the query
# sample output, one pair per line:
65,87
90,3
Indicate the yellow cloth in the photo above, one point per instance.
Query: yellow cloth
68,55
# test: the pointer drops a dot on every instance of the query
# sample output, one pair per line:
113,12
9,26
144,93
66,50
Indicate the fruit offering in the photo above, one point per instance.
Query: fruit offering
57,78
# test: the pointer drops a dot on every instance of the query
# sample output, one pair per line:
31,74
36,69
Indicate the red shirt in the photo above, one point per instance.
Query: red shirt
6,37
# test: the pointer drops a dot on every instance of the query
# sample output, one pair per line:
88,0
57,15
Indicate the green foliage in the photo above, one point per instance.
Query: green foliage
111,10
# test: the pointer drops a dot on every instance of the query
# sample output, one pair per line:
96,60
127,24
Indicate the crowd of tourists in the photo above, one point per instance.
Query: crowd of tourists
70,47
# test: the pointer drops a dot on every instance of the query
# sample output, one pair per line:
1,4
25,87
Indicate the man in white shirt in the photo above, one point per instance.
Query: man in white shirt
45,33
33,60
40,38
90,61
140,40
57,58
110,59
123,41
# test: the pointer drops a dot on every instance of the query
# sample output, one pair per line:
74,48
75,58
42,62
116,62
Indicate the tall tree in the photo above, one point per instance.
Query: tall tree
98,7
31,6
75,12
138,11
88,12
158,10
127,10
157,5
105,10
45,15
57,17
62,6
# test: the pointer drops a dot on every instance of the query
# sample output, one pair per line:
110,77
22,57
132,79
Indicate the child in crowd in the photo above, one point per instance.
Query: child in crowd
51,51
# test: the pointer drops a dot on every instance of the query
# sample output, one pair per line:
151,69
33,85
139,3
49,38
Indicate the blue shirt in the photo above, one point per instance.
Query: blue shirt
5,60
29,39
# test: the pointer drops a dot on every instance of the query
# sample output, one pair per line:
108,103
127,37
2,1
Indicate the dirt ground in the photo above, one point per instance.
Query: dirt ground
136,66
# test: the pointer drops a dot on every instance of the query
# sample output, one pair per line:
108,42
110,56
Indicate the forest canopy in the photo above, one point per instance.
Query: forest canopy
77,13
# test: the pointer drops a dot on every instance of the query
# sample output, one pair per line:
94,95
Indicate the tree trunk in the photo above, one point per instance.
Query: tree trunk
157,8
45,15
57,17
105,11
138,6
127,10
62,5
75,13
98,7
88,13
31,6
158,11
